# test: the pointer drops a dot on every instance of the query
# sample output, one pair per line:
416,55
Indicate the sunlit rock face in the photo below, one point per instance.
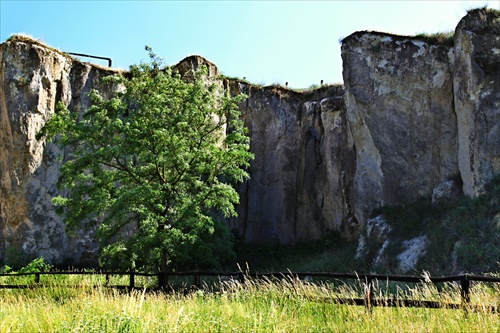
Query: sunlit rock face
33,78
400,110
477,98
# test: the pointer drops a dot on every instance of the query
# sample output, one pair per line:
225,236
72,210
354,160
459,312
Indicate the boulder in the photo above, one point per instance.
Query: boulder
413,250
446,191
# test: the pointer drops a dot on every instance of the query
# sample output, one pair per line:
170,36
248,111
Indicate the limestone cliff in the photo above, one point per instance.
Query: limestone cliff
33,78
423,112
298,185
299,180
414,114
476,84
399,102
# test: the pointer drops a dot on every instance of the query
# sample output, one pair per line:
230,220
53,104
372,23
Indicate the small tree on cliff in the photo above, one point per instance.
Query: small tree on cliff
153,165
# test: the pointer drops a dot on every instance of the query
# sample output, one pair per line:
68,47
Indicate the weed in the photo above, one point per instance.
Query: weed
438,38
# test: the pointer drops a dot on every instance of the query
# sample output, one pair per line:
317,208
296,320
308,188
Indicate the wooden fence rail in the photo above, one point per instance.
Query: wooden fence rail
367,280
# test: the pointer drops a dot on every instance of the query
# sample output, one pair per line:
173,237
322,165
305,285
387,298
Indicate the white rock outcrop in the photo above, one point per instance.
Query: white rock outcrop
476,81
413,250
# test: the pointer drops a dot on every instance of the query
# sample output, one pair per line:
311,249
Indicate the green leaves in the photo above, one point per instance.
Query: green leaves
152,164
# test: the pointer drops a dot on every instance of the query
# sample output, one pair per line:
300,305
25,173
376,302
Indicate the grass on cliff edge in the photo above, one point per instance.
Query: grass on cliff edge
286,305
438,38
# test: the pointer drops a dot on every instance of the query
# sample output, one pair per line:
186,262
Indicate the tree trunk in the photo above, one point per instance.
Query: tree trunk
162,276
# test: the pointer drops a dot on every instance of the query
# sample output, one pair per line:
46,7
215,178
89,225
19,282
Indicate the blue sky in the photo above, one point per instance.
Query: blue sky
265,41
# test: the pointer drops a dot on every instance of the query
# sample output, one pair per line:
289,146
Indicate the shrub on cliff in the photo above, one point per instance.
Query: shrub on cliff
152,165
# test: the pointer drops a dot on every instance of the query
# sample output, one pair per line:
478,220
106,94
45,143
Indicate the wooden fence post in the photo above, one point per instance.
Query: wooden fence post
37,278
162,280
368,294
465,292
197,281
132,280
107,279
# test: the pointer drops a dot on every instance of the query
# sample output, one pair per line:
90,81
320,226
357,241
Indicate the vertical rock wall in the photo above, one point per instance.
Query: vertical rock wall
33,79
297,187
477,98
414,114
399,102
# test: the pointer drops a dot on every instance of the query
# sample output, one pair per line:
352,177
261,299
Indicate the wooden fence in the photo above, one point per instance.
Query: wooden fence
366,280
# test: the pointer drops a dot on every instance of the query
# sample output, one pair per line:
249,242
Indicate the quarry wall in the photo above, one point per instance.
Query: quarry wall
412,114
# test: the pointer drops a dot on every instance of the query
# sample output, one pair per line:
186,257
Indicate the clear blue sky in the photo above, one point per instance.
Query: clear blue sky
266,42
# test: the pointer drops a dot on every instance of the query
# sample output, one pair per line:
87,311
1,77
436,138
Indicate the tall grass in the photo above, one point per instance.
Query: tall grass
266,305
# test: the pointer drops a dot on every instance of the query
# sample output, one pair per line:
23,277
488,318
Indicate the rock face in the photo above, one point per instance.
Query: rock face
299,180
414,114
399,102
477,98
33,79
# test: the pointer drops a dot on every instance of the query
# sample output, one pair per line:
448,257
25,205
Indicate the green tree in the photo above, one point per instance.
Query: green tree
153,165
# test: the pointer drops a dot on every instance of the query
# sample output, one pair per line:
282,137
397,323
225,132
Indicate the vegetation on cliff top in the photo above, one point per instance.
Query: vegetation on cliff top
483,20
438,38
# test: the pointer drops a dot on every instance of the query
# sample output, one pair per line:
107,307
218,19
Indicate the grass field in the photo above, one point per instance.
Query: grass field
286,305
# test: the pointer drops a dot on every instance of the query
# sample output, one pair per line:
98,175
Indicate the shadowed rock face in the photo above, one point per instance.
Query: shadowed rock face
299,180
413,115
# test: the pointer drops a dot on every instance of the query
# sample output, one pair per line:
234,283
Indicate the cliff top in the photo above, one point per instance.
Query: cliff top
21,38
479,20
438,38
193,62
31,40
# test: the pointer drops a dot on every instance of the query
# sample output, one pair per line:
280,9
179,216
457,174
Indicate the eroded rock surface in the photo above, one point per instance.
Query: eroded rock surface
399,102
477,98
33,79
299,179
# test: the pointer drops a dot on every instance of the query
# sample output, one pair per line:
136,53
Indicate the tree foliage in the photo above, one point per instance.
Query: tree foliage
153,165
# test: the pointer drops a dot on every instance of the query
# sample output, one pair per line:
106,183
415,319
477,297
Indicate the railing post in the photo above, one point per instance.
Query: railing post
465,291
197,282
132,280
107,278
37,278
368,294
162,280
